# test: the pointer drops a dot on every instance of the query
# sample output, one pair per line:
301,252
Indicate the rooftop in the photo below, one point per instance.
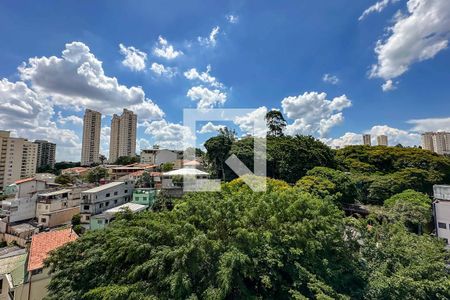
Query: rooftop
26,180
43,243
54,193
104,187
185,171
10,258
134,207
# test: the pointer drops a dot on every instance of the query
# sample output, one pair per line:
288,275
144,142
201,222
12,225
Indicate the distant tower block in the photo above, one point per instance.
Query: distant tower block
382,140
367,140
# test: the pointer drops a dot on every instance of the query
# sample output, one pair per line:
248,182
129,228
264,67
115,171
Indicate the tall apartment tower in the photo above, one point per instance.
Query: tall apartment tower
367,140
45,154
123,135
18,159
90,150
382,140
438,142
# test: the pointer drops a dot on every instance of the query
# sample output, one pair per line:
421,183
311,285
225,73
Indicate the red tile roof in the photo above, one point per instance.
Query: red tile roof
24,180
43,243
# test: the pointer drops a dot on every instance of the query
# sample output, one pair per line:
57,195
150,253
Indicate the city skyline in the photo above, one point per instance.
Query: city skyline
336,80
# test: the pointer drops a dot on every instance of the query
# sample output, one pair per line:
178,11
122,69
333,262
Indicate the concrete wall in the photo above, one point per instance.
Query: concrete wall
59,217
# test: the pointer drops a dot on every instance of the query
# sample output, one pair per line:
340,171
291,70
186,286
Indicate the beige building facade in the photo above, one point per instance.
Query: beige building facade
45,154
18,158
438,142
90,150
382,140
367,140
123,135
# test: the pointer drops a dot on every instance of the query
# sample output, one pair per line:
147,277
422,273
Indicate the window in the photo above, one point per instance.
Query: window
100,222
101,205
442,225
115,201
86,207
107,203
115,193
37,271
126,191
108,194
43,220
87,218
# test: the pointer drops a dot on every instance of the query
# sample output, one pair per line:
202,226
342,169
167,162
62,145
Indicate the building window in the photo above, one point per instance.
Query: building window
108,194
100,222
115,201
43,220
442,225
101,205
86,207
115,193
37,271
126,191
107,203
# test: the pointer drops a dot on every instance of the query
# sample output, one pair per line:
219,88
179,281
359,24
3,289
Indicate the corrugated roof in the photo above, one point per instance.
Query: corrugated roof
134,207
185,171
55,193
43,243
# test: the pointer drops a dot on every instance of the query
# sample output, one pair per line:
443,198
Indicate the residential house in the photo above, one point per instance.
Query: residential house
160,156
58,207
37,277
76,171
119,172
97,200
102,220
441,212
144,196
12,267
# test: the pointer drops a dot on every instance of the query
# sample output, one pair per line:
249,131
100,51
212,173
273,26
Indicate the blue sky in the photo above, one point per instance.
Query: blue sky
228,54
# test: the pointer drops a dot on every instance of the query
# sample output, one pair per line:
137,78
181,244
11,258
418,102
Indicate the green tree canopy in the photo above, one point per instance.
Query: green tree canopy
275,123
127,160
96,174
65,179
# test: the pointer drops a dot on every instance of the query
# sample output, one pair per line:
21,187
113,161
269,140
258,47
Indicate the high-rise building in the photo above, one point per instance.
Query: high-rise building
438,142
90,150
382,140
45,154
18,158
367,140
123,135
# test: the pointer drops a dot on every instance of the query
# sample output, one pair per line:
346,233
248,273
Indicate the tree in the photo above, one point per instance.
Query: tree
218,149
65,179
96,174
275,123
318,186
127,160
410,207
145,181
102,159
166,167
234,244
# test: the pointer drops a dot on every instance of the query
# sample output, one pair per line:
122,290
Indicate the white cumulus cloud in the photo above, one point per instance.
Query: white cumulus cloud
233,19
204,77
430,124
247,122
388,86
162,70
313,113
377,7
416,36
333,79
165,50
134,58
210,127
169,135
205,97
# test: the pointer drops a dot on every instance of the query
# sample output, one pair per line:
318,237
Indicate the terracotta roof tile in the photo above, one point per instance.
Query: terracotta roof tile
43,243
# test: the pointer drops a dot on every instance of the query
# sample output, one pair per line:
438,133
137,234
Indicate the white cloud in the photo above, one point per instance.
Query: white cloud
169,135
388,86
204,77
246,122
211,40
395,136
210,127
205,97
377,7
163,71
165,50
233,19
29,115
333,79
417,36
430,124
134,58
77,80
313,113
69,119
105,135
143,144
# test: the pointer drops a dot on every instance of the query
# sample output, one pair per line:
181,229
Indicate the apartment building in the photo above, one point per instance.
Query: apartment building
438,142
90,149
441,211
58,207
123,135
367,140
99,199
18,158
382,140
45,154
160,156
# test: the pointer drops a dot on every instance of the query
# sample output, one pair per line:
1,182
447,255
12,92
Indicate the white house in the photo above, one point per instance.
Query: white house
441,211
97,200
160,156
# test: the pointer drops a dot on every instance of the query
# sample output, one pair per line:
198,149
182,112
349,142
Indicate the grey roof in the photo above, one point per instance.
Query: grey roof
54,193
104,187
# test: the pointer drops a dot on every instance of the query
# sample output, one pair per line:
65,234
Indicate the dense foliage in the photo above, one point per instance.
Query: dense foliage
96,174
280,244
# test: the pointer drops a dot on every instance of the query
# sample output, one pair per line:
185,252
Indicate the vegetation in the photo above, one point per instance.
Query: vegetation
281,244
145,181
65,179
166,167
96,174
127,160
275,123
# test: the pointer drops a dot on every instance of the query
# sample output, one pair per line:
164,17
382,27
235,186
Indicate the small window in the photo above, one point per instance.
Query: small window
107,203
100,222
115,201
108,194
101,205
88,218
126,191
43,220
86,207
115,193
442,225
37,271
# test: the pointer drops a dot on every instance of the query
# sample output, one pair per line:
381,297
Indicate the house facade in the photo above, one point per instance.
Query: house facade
99,199
441,212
